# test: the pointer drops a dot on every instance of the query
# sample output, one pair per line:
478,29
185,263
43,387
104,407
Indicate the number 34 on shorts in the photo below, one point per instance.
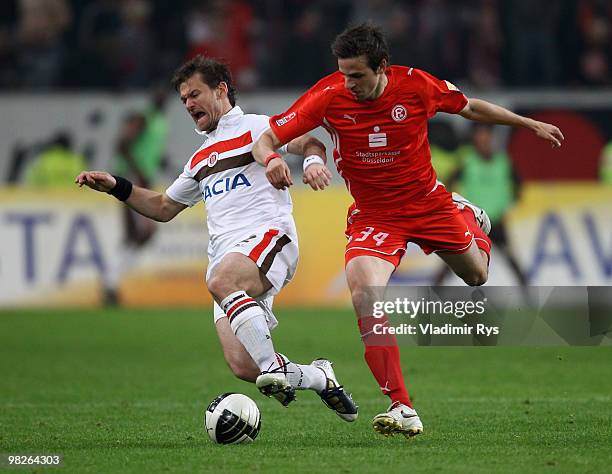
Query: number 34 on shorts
374,241
378,238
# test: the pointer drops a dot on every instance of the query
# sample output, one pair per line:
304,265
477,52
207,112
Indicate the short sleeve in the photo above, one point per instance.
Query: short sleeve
259,125
262,124
304,115
439,95
185,190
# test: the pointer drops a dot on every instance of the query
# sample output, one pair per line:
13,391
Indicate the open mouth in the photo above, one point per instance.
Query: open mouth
198,115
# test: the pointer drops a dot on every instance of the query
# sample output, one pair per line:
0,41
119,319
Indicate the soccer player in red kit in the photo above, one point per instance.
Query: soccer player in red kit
377,117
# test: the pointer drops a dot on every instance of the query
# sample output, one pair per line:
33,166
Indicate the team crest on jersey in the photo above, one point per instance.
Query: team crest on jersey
399,113
212,159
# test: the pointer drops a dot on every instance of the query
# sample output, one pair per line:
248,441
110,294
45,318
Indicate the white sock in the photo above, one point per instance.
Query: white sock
248,322
304,377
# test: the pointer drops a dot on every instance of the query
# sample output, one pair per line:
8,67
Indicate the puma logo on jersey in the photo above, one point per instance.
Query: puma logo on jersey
226,184
242,243
467,233
352,119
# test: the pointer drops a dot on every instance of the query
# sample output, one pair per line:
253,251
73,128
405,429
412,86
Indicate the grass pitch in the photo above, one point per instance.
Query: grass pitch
125,391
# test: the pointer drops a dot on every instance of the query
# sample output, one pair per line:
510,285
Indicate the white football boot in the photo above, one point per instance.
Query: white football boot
399,419
482,219
333,395
275,384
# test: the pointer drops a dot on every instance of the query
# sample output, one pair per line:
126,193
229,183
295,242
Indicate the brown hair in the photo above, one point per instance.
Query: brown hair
213,72
365,39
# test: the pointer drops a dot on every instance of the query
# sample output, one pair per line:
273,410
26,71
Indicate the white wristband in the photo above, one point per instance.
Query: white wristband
309,160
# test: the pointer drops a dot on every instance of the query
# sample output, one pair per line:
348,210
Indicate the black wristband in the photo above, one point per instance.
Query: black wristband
122,189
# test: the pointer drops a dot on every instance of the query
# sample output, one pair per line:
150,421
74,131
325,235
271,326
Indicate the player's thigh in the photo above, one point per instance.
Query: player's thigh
368,270
367,276
374,249
236,356
236,272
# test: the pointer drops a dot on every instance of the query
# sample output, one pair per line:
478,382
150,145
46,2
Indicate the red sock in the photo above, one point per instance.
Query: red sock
482,240
383,357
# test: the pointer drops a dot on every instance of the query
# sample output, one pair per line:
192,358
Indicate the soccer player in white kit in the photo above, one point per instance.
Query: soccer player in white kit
253,249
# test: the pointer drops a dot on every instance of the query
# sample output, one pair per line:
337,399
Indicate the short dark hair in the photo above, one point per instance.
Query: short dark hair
365,39
213,72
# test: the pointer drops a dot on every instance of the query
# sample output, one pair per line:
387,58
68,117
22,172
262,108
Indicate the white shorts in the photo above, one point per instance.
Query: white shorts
274,249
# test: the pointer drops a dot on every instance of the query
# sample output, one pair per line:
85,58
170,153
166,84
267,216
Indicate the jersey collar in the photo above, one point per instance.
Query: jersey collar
230,117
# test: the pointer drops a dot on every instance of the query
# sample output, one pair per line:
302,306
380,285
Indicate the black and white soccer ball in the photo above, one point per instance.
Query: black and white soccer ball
232,418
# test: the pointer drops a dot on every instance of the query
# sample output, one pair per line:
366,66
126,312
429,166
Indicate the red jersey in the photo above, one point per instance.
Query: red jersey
381,148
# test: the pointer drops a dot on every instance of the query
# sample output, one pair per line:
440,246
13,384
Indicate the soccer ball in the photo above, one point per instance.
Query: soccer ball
232,418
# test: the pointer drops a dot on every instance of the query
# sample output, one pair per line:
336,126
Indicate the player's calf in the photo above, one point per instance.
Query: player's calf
236,356
243,370
472,266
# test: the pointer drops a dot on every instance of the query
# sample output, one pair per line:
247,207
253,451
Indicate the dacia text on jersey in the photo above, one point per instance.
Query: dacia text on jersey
223,185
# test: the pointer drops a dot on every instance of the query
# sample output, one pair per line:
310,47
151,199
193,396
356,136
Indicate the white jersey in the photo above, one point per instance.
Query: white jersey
234,188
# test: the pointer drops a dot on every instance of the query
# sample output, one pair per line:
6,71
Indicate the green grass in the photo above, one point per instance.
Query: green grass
125,391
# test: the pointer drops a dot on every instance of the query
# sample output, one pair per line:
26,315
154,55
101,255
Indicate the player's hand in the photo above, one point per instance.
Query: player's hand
549,133
98,180
278,174
317,176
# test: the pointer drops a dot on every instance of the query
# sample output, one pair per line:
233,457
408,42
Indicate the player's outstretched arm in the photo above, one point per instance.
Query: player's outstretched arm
482,111
156,206
316,173
264,152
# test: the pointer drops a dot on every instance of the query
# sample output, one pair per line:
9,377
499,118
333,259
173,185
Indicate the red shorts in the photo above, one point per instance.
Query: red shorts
434,224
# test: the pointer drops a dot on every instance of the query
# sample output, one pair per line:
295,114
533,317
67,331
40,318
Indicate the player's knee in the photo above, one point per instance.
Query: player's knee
220,285
477,277
363,298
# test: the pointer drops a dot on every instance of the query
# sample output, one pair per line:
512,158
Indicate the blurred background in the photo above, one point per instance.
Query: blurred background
85,85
